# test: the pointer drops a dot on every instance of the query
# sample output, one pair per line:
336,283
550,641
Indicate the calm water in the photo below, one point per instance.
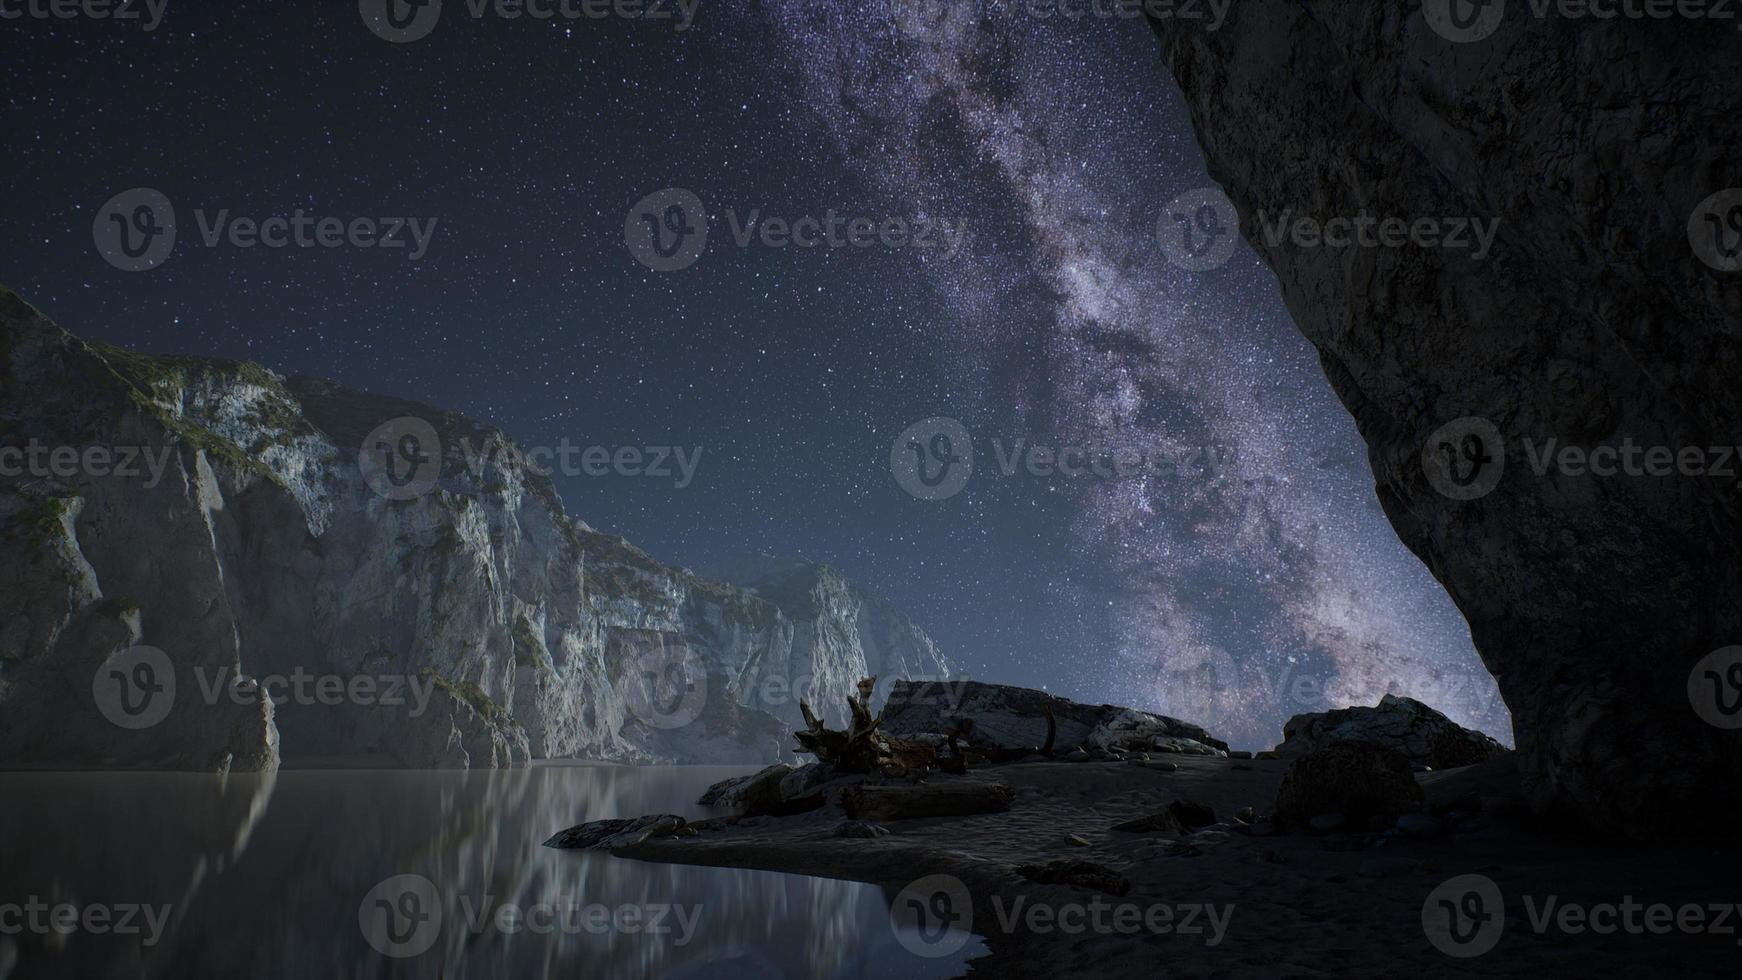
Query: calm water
277,876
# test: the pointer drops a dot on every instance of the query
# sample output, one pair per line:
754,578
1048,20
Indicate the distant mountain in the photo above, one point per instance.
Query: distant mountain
180,534
841,633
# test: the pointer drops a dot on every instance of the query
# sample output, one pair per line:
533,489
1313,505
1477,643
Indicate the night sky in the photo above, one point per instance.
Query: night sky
1212,596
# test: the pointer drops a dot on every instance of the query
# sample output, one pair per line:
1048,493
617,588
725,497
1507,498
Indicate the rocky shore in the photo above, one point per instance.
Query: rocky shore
1329,855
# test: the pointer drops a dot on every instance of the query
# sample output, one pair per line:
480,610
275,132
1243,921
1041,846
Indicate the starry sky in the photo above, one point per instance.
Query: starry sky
1234,595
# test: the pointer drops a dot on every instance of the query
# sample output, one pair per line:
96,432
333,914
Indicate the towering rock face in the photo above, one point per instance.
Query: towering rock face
214,526
840,634
1595,144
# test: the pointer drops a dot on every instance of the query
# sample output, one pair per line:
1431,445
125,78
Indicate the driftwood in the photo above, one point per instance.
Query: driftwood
862,748
925,800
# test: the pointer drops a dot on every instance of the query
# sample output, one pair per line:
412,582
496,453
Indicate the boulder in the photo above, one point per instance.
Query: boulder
611,835
1007,718
779,790
1422,735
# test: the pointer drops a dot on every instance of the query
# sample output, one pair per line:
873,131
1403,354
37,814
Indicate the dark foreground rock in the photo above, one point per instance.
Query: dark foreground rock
1347,779
1422,735
610,835
1595,143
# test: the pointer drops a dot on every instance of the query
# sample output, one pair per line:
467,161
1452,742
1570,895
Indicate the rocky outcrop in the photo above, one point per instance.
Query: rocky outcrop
840,634
203,569
1006,717
1406,726
1595,144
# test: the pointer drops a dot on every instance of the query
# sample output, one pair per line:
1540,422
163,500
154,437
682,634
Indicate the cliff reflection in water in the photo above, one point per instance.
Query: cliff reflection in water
264,876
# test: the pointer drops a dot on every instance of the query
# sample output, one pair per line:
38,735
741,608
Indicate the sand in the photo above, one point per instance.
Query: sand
1302,905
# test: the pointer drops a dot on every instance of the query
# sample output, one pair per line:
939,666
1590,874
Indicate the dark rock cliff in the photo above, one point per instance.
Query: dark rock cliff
238,592
1597,146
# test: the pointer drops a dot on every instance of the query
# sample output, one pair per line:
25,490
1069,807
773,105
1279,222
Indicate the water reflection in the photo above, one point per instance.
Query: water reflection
266,877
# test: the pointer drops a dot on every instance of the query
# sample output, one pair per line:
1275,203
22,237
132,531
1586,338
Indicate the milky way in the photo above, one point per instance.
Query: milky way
1234,595
1263,586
